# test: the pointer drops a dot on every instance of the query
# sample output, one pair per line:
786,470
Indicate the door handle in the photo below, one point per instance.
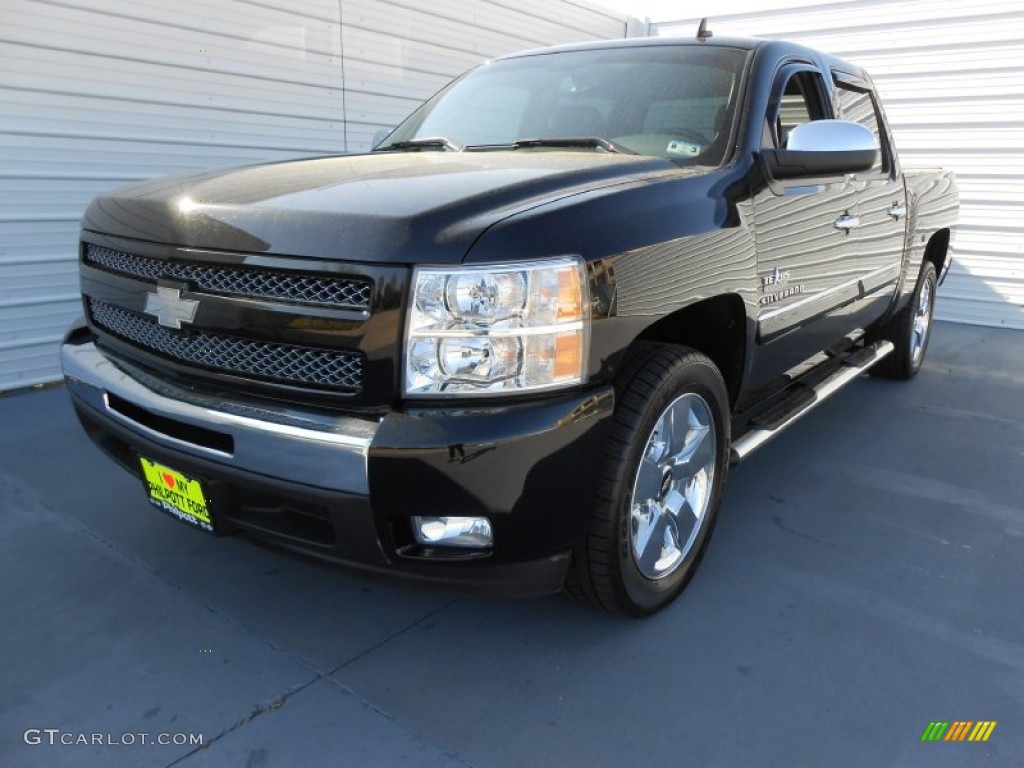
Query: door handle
846,222
896,210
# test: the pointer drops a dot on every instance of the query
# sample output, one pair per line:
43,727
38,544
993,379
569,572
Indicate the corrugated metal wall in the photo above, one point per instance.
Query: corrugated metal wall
97,93
951,77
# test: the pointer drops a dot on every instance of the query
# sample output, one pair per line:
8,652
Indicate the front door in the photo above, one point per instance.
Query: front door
805,234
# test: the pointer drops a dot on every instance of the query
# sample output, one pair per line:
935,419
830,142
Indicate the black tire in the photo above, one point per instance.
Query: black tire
910,330
658,384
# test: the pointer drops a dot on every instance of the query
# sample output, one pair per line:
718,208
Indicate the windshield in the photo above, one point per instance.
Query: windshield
668,101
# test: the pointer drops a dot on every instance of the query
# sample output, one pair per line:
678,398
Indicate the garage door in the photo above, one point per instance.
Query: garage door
951,76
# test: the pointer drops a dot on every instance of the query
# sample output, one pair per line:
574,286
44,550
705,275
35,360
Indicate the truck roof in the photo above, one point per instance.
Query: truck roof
771,47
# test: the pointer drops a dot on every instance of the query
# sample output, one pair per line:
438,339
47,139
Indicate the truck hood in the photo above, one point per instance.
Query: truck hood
399,207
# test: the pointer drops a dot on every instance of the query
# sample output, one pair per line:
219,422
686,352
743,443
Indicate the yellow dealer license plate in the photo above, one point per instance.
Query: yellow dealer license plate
177,494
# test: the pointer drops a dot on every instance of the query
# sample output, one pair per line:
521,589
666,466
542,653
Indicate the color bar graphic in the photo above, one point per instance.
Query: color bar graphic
958,730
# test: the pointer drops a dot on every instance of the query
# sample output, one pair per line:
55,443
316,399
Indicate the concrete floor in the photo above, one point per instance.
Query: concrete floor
865,579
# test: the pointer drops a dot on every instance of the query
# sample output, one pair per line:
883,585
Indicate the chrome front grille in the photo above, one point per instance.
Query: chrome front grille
282,363
344,293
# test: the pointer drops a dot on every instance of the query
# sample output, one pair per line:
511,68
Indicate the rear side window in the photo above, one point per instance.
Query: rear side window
858,106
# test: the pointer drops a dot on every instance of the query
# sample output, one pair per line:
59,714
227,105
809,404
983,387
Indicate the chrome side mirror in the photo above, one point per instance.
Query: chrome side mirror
823,148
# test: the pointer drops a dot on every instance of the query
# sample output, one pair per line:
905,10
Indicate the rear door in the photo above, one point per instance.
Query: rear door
881,197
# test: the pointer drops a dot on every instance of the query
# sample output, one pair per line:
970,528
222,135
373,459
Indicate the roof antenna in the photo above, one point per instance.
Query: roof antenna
702,31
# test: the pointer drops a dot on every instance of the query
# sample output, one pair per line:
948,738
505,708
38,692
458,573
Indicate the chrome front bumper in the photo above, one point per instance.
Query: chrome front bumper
313,448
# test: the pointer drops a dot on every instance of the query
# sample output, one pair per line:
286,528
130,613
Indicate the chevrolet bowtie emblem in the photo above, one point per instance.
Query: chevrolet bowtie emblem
169,308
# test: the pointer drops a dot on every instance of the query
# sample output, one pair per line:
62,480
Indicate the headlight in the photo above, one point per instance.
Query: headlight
497,329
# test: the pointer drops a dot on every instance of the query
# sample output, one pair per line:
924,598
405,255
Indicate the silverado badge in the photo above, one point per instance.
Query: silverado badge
169,308
772,287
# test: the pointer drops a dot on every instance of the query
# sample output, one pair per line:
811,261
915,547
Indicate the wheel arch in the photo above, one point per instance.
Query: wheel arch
937,250
716,327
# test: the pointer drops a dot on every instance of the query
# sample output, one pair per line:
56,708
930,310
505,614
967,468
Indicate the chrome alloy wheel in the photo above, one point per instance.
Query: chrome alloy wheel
673,485
922,323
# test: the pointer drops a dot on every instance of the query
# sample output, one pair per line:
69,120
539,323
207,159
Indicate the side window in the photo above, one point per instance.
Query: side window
858,105
801,102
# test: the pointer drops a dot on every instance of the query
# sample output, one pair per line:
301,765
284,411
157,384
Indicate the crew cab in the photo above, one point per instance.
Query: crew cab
519,344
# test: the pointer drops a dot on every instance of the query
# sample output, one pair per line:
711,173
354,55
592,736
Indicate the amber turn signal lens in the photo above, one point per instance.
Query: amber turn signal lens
568,355
570,300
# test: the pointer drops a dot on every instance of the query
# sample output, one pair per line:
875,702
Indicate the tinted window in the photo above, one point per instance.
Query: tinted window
672,101
858,105
800,103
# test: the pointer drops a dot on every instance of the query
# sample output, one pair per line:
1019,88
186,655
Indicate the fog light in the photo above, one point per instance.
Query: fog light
474,532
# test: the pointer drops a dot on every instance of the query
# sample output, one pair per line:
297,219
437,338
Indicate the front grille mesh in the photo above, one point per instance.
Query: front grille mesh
275,362
258,283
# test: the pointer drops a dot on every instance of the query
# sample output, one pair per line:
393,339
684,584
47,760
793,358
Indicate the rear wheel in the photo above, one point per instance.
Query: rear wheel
661,483
910,330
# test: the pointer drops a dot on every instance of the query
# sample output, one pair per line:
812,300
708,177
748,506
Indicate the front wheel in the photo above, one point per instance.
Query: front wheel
661,483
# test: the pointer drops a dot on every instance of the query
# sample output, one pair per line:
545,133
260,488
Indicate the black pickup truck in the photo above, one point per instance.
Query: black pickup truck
519,344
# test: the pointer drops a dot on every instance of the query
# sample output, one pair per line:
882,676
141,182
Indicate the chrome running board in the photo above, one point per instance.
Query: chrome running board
806,398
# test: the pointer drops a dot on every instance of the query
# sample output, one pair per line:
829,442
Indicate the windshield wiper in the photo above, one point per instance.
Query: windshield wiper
575,141
429,141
